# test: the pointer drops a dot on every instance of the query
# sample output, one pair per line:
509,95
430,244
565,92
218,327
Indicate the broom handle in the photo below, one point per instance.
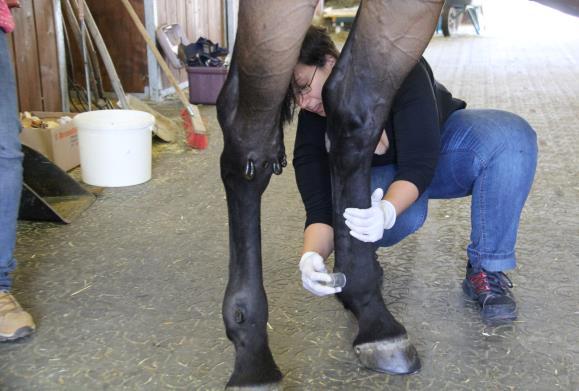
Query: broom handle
158,56
84,54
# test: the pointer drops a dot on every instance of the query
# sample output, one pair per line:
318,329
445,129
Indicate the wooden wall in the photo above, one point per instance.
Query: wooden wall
198,18
34,47
35,57
129,50
124,42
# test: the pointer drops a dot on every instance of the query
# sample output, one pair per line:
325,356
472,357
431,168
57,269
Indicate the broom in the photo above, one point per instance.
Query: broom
194,127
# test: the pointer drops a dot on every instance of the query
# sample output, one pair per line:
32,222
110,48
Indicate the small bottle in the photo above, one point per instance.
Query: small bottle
338,280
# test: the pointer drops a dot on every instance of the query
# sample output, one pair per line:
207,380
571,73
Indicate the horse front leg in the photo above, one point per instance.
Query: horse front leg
250,114
245,309
253,150
382,343
387,40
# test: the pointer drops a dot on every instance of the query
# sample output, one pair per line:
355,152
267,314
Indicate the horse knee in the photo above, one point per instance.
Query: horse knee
244,153
353,135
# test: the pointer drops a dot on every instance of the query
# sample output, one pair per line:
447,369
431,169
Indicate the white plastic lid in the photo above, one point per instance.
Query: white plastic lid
114,120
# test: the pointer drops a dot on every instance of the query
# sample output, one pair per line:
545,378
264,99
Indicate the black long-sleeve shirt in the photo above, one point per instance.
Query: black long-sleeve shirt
419,109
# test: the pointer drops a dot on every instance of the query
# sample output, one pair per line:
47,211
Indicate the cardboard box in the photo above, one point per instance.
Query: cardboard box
59,144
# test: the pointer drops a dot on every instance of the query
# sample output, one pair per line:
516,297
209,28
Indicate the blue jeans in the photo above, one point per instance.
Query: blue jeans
10,165
490,155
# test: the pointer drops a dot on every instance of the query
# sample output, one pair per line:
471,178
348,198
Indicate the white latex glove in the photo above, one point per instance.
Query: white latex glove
368,225
314,272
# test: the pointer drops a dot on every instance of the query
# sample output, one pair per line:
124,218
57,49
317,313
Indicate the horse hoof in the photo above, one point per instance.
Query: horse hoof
396,356
259,387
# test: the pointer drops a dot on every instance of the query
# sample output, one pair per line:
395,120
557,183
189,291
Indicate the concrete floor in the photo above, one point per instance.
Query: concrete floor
129,295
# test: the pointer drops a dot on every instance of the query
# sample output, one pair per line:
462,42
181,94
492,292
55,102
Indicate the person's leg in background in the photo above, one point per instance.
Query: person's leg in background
14,321
491,155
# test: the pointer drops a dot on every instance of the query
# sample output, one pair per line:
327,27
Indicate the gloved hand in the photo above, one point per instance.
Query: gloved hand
368,225
314,272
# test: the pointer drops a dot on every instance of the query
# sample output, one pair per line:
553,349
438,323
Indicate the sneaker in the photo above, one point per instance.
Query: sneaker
15,323
492,292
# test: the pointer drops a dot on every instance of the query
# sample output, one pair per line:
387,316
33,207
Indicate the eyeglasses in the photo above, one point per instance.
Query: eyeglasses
304,90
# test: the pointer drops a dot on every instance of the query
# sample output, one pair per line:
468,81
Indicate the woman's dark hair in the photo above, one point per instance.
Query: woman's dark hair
316,46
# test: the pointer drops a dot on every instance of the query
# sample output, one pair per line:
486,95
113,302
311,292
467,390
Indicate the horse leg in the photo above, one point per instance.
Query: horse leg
250,114
387,40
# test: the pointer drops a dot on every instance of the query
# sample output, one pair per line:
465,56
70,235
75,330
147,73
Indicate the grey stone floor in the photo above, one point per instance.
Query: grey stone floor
129,295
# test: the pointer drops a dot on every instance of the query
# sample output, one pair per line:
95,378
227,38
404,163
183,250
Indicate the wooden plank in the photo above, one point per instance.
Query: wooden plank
160,6
123,41
202,7
181,19
231,12
197,23
26,59
104,54
73,48
48,60
216,22
171,11
191,20
163,18
61,55
153,70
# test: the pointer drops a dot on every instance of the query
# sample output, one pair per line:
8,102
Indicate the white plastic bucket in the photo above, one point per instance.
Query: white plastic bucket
115,147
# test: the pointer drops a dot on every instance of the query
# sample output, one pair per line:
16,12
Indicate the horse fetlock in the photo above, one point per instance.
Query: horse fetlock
254,367
361,288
